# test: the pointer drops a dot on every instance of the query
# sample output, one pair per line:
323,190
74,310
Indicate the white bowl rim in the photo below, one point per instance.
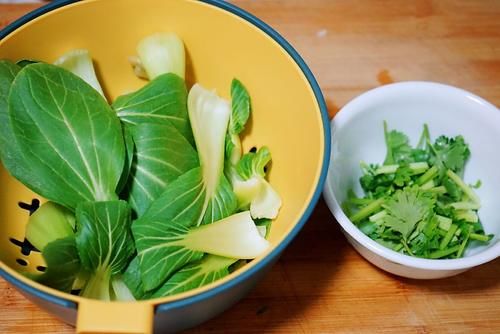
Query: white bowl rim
351,110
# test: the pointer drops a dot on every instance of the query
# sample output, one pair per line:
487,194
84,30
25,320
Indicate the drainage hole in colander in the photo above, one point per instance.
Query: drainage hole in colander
25,245
22,262
30,207
41,268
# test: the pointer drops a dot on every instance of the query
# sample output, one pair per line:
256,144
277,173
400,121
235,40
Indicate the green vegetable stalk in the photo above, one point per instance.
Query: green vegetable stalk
49,223
416,202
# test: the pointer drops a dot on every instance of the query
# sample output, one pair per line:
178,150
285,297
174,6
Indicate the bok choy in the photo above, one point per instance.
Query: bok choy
149,196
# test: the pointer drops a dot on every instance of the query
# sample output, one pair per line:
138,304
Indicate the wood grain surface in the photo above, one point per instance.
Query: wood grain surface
321,285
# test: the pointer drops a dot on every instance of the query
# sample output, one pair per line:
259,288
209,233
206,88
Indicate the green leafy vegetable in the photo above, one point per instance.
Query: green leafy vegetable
129,158
10,152
104,243
407,208
180,206
240,112
167,154
398,148
209,116
416,203
49,223
450,153
132,278
208,270
63,264
251,187
235,236
161,155
56,125
163,99
247,173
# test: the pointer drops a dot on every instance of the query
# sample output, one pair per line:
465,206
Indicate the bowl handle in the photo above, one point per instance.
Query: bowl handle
97,317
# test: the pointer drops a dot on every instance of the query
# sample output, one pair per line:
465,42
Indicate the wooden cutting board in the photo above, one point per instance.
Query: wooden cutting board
321,285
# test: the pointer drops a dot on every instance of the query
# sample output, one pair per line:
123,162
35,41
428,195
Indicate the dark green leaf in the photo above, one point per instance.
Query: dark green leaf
186,192
181,205
63,264
452,189
129,157
223,203
253,164
398,148
10,154
132,278
161,155
209,269
403,176
240,112
103,235
163,98
161,255
240,105
450,153
66,132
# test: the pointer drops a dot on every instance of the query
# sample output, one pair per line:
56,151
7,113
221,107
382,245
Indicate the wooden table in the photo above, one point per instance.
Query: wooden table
321,285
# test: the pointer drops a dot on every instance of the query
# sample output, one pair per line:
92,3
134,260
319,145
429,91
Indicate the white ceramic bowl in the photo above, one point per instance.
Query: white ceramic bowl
357,134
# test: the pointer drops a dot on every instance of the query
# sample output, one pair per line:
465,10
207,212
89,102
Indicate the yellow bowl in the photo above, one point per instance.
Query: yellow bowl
222,42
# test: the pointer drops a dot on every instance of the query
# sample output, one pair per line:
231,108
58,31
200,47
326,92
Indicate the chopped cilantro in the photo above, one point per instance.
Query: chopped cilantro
416,202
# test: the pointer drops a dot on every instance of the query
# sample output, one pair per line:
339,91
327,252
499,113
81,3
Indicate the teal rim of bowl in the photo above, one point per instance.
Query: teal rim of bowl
239,279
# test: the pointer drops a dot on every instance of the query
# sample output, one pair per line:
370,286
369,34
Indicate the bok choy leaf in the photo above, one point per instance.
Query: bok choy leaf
240,112
10,153
161,256
208,270
162,99
247,173
251,187
133,281
209,116
161,155
63,264
64,122
104,244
